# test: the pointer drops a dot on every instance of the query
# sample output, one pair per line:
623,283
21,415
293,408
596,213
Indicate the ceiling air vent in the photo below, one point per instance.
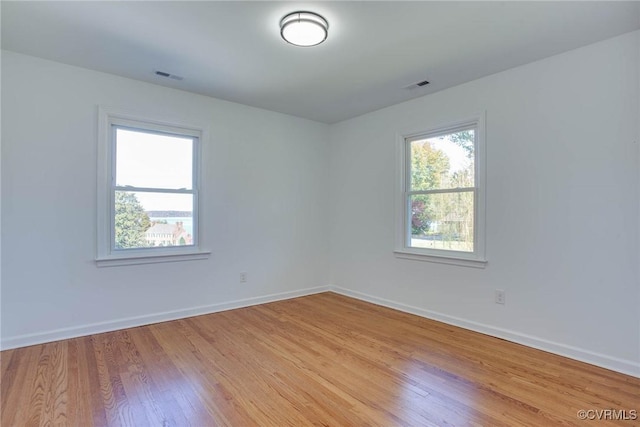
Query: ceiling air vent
417,85
168,75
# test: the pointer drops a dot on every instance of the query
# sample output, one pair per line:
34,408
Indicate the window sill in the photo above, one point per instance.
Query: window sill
442,259
131,259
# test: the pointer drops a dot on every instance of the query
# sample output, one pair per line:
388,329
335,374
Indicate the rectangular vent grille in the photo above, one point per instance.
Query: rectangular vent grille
168,75
417,85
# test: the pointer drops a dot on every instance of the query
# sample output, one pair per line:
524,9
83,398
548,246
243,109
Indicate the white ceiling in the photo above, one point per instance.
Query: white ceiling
233,50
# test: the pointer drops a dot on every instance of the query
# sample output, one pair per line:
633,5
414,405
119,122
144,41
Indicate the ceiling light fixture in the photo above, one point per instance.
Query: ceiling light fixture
304,29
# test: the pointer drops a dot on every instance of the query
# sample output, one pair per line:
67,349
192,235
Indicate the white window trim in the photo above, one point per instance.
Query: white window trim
106,256
402,249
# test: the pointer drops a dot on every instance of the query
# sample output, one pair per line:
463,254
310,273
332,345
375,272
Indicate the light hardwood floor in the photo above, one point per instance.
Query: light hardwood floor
324,360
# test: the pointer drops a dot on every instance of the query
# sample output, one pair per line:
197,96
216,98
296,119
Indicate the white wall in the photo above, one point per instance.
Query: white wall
638,170
265,193
563,195
562,206
0,191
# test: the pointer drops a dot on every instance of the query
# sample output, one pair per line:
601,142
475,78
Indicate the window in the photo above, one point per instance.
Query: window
148,190
440,203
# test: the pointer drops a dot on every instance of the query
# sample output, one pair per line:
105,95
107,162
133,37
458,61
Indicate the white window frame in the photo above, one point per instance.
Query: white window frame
107,255
477,258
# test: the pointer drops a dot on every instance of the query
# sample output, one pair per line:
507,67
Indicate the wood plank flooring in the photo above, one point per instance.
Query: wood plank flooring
323,360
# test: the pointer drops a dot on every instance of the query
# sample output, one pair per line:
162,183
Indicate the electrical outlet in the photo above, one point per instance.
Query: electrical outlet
243,277
501,296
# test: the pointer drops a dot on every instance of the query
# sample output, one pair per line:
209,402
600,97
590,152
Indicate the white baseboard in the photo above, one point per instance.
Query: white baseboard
131,322
627,367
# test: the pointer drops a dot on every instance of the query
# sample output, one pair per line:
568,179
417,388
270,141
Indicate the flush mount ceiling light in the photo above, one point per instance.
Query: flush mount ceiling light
304,28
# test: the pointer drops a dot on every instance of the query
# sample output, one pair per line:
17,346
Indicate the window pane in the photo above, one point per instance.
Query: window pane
443,162
144,220
153,161
442,221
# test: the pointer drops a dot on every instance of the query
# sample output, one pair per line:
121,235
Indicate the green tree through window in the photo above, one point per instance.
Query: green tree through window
440,215
131,221
428,165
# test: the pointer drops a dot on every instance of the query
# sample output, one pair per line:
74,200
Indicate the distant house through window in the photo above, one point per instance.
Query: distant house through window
148,205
